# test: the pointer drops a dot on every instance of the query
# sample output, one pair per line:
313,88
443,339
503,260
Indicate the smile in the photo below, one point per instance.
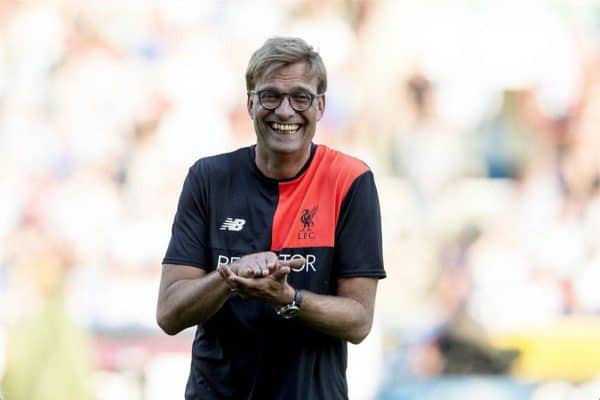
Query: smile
283,127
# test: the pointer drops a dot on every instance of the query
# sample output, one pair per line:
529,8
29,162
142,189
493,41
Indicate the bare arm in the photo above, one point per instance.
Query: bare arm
347,314
188,296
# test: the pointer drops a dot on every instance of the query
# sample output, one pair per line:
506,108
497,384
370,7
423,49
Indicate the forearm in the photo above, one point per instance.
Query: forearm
188,302
338,316
348,314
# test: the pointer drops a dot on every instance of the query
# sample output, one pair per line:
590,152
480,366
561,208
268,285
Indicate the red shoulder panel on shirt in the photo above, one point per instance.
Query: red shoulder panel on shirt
308,208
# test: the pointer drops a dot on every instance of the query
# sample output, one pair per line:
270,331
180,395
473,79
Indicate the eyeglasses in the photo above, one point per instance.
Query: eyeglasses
300,100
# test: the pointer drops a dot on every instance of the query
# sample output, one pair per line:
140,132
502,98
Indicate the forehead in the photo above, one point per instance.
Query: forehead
288,76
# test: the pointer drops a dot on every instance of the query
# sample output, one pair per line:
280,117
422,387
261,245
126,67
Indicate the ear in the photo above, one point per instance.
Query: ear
250,105
320,106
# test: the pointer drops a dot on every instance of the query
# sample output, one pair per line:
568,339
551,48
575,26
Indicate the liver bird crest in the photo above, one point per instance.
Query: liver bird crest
307,218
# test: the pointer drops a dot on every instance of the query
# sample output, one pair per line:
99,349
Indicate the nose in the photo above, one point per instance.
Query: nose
285,110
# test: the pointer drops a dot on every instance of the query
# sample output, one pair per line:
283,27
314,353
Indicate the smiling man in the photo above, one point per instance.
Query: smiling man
275,251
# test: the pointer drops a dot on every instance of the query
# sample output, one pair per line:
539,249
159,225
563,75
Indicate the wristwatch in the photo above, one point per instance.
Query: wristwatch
292,309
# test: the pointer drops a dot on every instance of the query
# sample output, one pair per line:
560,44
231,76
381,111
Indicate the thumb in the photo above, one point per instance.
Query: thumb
293,263
281,272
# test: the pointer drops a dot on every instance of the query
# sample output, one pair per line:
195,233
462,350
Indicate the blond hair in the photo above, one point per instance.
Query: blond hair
282,51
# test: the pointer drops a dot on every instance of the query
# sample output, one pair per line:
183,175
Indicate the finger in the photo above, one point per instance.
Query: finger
221,274
293,263
268,266
281,272
226,274
248,272
252,271
244,282
258,269
262,271
272,263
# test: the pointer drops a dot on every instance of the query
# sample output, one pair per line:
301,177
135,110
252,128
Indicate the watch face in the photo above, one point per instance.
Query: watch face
289,311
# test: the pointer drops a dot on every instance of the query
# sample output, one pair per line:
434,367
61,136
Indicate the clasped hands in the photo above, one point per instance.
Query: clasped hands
261,276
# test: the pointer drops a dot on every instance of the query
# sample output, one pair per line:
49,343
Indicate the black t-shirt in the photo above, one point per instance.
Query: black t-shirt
329,214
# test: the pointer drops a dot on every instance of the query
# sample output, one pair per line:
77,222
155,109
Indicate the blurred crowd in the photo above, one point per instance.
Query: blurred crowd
481,124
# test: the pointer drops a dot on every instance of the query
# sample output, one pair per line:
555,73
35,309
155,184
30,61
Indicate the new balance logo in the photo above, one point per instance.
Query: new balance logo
231,224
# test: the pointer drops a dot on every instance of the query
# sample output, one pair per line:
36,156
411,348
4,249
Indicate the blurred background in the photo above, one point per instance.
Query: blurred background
480,120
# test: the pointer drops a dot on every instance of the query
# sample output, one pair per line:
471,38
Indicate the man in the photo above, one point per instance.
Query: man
276,248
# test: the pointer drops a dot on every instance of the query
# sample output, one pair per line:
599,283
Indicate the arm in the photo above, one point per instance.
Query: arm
188,296
348,314
358,260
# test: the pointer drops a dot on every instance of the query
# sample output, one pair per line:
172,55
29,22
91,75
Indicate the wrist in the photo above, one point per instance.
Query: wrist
287,296
291,309
225,284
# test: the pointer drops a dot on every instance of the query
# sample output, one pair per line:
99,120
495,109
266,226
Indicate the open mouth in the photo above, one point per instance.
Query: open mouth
283,128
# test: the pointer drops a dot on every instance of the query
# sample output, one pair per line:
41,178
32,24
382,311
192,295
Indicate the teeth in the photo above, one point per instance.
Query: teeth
285,127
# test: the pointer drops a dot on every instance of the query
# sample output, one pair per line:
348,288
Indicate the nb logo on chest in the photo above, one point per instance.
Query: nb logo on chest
231,224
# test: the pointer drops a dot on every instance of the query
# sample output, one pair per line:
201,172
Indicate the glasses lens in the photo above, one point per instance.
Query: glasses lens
300,101
270,99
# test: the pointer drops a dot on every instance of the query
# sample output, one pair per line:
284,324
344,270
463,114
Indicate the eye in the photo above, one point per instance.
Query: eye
269,97
301,98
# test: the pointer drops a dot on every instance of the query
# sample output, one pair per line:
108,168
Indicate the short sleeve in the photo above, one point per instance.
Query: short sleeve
358,242
189,244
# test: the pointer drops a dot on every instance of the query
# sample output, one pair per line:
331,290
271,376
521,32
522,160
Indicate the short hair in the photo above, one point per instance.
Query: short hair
284,51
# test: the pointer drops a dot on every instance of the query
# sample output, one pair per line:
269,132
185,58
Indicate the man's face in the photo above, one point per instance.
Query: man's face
283,129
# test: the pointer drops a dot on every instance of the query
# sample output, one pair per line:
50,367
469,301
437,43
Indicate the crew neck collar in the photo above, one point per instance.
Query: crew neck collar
252,155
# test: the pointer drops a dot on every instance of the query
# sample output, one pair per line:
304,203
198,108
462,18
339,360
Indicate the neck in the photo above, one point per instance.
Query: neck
280,165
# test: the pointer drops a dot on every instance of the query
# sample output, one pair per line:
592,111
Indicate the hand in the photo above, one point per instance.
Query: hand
255,265
272,288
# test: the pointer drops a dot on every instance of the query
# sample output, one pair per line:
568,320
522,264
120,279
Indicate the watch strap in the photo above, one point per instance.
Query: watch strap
298,297
291,309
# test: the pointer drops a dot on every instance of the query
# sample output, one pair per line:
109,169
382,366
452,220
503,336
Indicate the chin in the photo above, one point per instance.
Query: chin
284,146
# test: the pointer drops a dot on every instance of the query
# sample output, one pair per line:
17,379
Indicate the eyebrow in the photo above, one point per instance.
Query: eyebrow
293,89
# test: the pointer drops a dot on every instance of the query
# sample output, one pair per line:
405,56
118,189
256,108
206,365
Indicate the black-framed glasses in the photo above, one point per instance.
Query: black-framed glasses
300,100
